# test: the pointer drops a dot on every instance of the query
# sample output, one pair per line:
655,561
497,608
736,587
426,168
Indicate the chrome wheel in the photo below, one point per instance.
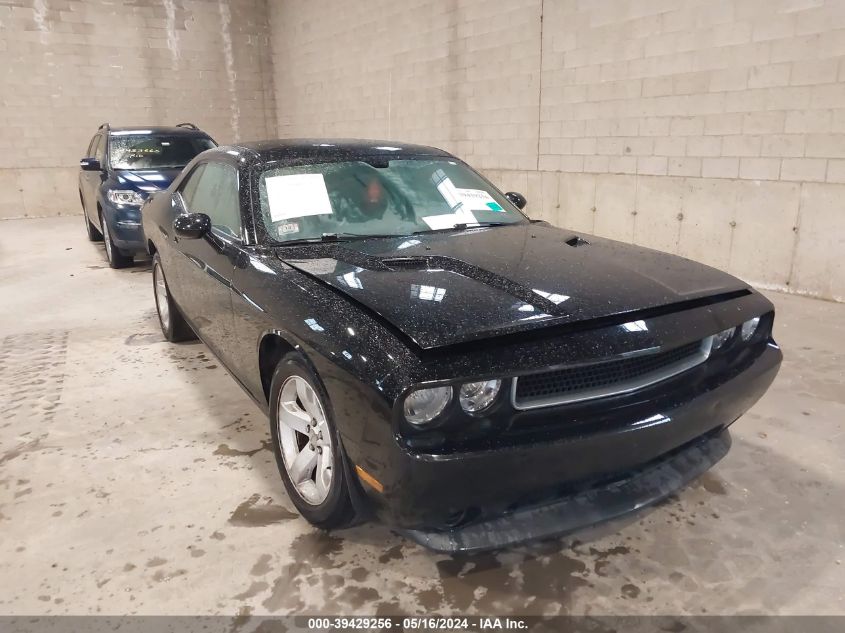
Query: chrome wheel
305,440
160,287
106,238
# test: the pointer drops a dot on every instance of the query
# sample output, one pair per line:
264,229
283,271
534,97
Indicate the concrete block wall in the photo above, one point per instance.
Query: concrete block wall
69,65
714,129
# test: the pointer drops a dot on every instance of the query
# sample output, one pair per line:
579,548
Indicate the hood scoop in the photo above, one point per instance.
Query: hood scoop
407,263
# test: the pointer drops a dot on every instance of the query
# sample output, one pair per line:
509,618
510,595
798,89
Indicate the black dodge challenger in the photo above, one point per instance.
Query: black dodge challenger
430,356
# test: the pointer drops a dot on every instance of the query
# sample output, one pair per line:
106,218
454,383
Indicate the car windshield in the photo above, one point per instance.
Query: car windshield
155,151
377,197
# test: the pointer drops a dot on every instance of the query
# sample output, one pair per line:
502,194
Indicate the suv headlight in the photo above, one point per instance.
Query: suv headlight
423,405
125,196
477,396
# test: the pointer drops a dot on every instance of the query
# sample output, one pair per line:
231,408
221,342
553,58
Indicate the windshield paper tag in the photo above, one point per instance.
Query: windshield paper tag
477,200
289,227
297,196
449,220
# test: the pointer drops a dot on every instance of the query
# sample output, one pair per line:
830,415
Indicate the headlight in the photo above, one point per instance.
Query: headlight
125,196
722,337
477,396
749,327
423,405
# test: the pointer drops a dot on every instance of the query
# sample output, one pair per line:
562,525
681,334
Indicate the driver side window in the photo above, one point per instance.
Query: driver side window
212,188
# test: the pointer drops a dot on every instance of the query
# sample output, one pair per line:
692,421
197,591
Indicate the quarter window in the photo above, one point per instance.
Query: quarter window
212,188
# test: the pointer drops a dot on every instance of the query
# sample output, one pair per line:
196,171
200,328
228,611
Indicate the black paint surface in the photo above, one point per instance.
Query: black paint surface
512,300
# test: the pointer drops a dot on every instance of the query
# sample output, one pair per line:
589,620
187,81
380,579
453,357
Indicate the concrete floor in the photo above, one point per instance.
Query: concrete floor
135,477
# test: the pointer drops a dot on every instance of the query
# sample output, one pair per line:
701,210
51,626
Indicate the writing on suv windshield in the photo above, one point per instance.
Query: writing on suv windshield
398,197
144,151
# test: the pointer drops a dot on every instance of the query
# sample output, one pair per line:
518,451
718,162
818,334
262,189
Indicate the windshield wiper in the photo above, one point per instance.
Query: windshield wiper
333,237
462,226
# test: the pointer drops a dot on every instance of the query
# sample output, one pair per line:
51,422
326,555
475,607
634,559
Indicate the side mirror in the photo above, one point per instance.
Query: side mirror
517,198
192,226
90,164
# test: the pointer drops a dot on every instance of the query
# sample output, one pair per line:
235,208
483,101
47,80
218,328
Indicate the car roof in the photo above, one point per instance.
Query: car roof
334,148
156,129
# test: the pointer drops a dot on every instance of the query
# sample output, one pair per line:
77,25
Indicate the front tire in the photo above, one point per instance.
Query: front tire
307,445
173,324
115,258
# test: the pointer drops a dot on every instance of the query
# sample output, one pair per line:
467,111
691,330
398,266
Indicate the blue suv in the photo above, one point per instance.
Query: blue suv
123,167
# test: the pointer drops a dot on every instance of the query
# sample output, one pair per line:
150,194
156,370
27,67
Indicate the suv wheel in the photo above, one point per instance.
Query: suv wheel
113,254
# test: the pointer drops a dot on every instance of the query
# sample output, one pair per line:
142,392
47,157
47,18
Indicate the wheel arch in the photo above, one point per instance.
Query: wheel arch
271,350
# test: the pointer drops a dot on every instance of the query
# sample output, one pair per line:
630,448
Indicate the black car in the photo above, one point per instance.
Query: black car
123,166
430,356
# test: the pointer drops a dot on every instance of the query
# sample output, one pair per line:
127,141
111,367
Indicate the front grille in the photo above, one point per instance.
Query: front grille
605,378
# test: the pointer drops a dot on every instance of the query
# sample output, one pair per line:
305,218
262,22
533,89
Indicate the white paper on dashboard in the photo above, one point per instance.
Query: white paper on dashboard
297,196
448,220
477,200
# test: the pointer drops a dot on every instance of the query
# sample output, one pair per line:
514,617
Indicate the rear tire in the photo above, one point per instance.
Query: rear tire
170,319
115,258
327,506
93,234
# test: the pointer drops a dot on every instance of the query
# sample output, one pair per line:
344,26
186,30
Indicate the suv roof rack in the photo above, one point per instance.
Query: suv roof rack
104,126
190,126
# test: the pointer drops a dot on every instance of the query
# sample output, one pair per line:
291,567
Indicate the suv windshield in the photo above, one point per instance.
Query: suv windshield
378,197
156,151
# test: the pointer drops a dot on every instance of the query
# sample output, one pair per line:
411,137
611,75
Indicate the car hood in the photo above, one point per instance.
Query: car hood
446,288
148,180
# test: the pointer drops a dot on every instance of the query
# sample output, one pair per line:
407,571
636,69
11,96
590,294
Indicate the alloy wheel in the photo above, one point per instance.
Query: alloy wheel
305,440
107,239
160,287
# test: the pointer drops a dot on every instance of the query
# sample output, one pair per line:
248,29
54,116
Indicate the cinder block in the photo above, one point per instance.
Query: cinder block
784,145
836,171
809,73
720,167
652,165
741,145
687,126
763,123
670,146
685,167
825,145
803,169
622,165
759,168
769,76
722,124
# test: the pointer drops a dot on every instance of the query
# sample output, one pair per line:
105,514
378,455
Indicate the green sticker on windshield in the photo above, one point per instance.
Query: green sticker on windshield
494,206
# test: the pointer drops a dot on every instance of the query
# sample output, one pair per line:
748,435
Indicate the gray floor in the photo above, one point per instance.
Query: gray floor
135,477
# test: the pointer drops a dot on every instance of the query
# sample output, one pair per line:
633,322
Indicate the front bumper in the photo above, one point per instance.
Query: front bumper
125,227
491,498
639,489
